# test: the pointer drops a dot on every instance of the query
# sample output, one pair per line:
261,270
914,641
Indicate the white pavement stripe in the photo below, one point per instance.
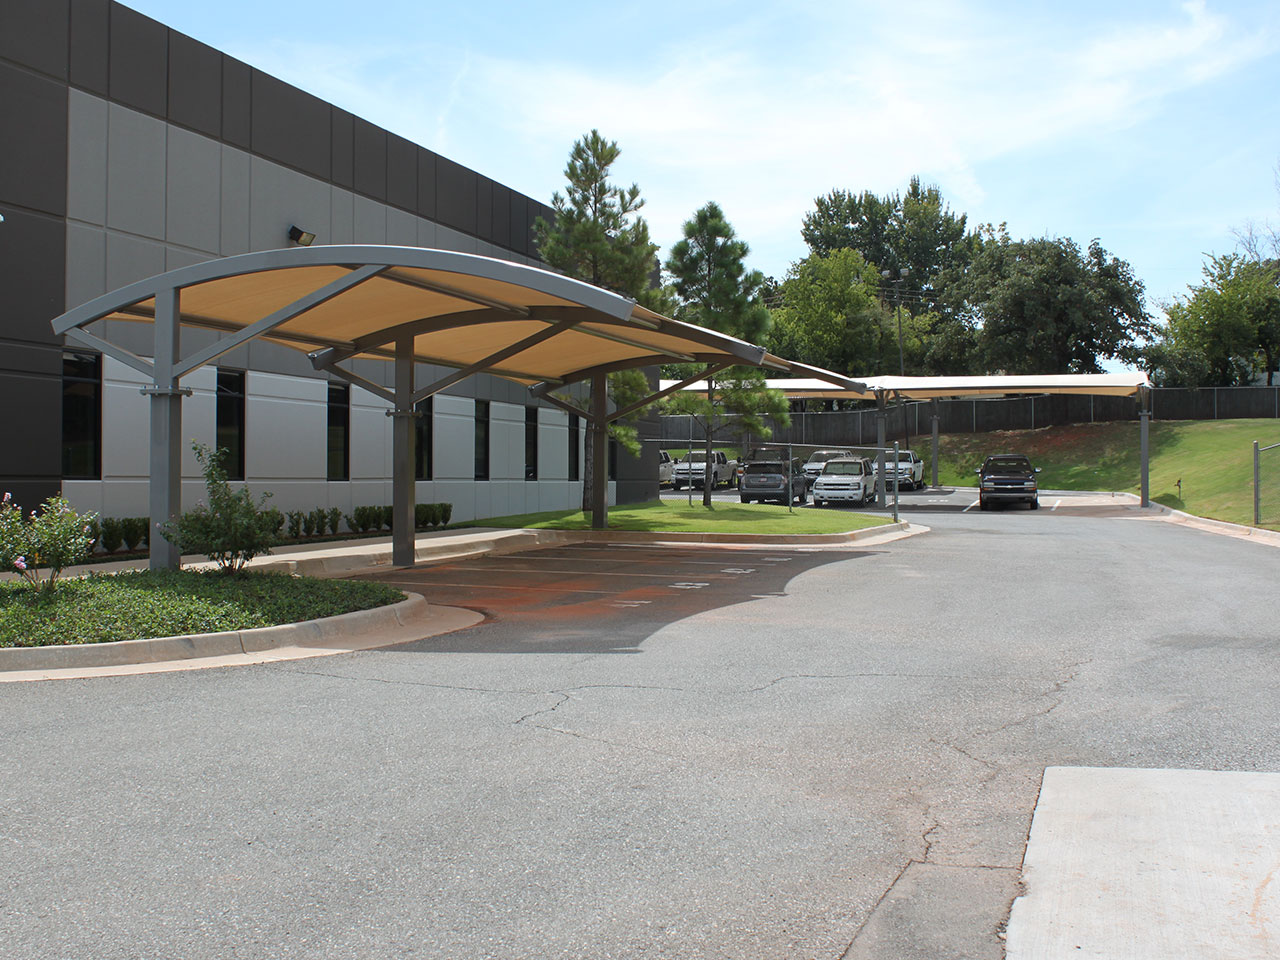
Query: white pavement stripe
665,575
970,507
420,584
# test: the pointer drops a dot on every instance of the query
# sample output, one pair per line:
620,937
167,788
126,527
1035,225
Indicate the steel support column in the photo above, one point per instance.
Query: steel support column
882,495
599,429
1144,420
166,432
933,417
402,457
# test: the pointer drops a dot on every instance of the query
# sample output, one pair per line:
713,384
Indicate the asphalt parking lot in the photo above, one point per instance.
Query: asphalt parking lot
648,751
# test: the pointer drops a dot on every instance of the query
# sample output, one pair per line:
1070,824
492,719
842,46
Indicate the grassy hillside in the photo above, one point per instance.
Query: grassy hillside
1213,459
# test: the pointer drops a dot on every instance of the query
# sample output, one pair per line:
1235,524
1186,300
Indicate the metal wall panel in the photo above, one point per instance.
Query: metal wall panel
87,127
370,160
342,138
195,85
402,173
193,203
34,33
138,69
33,110
290,126
237,103
135,172
88,54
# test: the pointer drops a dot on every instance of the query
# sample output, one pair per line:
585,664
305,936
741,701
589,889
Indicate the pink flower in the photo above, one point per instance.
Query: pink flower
20,563
7,498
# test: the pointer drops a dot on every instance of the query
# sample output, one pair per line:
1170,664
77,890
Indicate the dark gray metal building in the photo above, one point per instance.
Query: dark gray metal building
131,149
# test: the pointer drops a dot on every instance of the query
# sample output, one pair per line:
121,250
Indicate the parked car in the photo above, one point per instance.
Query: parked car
813,466
845,480
910,469
665,467
691,470
756,455
767,480
1008,478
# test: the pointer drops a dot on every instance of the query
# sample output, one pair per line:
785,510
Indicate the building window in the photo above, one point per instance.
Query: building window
613,459
482,439
423,434
339,431
230,421
531,443
575,447
81,416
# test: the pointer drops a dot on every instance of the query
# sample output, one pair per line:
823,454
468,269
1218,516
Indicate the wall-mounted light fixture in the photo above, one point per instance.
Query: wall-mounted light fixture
301,237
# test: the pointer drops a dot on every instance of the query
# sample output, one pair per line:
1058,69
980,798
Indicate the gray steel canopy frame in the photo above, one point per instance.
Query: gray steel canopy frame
398,303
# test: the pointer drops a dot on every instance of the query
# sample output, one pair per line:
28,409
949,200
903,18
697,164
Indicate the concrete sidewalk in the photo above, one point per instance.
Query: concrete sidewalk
1150,865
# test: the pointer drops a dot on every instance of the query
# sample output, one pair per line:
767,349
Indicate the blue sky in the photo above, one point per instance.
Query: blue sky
1154,126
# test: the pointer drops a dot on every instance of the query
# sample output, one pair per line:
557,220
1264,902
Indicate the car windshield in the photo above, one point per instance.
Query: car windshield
765,467
843,468
1007,464
694,458
822,456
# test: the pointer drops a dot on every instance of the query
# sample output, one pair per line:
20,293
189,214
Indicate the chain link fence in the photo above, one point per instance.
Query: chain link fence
1266,485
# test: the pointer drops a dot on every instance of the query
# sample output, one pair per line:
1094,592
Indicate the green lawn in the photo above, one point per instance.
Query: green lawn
760,518
146,603
1213,459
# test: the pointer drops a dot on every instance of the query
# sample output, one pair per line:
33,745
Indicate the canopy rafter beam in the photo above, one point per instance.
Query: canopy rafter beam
626,411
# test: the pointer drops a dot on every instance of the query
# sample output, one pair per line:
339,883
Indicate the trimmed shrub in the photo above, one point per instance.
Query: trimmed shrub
420,516
387,516
232,529
132,530
112,534
275,520
446,512
335,520
295,524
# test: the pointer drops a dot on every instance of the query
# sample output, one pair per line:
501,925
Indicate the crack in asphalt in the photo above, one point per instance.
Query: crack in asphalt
1054,692
855,676
612,743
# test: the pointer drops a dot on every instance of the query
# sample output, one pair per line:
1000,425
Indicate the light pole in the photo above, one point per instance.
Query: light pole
897,309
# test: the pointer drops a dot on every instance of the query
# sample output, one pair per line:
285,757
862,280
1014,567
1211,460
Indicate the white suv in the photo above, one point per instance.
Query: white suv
910,470
845,480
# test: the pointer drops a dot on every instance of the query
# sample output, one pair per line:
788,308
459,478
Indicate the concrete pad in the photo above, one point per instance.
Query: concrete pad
1151,865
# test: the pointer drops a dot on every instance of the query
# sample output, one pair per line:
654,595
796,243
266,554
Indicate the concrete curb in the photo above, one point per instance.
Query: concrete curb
548,537
325,632
1269,537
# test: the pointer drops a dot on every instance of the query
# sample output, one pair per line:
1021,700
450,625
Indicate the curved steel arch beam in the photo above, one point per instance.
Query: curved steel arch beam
351,256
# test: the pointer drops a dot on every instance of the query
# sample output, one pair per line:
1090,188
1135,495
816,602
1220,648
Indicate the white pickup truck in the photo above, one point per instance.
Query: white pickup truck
691,469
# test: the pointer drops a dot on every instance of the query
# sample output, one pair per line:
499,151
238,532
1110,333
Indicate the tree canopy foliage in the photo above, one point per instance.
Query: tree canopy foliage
1226,331
1045,306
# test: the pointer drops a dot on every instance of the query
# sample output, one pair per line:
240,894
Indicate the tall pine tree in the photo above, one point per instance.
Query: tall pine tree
597,236
715,289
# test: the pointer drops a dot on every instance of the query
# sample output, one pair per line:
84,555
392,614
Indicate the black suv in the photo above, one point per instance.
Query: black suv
767,480
1008,478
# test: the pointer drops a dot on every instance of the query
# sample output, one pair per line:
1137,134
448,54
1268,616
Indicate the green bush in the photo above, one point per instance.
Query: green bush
446,513
295,524
159,603
308,523
387,514
232,529
112,534
274,519
55,537
133,530
335,520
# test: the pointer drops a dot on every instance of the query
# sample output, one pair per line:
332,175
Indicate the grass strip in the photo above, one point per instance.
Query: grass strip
669,517
146,603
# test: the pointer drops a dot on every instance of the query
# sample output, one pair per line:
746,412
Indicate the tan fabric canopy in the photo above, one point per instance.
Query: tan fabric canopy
460,310
925,388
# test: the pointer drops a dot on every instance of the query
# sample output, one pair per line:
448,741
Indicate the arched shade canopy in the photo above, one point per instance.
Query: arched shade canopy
407,304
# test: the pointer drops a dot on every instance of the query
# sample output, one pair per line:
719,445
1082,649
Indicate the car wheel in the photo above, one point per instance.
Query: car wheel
817,502
983,505
745,499
1035,504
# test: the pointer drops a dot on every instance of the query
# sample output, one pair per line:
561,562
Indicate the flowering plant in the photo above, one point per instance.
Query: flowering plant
55,537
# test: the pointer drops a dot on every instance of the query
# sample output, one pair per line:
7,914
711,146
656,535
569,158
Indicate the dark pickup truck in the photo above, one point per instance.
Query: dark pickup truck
1008,478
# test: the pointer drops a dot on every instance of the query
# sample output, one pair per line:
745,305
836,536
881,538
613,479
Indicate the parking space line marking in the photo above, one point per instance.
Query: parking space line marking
1056,504
579,573
970,507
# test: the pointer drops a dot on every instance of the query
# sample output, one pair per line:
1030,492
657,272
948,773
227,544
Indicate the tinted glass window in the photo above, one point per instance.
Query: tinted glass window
424,434
482,439
230,421
531,443
81,416
339,433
